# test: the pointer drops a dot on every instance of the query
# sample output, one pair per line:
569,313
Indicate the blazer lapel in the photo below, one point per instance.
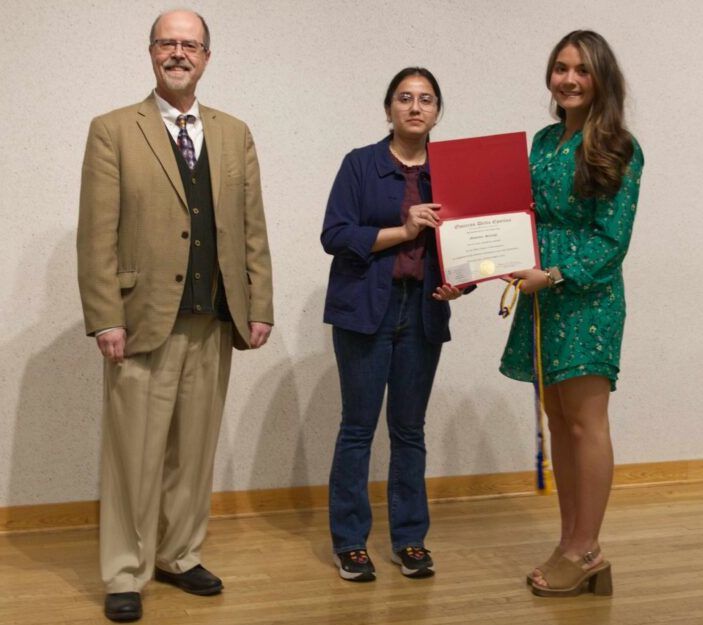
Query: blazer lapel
213,140
152,126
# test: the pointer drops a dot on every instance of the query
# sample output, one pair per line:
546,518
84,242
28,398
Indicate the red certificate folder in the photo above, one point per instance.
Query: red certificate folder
481,177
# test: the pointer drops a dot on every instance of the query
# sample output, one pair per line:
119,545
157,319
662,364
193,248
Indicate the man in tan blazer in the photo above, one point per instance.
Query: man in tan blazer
174,269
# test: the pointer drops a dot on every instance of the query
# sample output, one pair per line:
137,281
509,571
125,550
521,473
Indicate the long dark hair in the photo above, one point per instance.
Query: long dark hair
607,148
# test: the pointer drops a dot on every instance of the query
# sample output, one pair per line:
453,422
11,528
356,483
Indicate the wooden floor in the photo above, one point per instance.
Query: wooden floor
277,570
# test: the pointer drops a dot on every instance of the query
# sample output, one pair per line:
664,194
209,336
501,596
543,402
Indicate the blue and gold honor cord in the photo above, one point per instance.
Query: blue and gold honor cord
544,474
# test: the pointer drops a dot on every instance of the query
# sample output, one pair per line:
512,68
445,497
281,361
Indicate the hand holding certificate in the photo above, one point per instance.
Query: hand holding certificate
488,227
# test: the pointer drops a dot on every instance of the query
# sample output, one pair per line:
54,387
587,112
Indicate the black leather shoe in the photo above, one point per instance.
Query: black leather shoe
197,581
123,606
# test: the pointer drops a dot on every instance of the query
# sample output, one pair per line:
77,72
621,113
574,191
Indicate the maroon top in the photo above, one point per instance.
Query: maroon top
409,260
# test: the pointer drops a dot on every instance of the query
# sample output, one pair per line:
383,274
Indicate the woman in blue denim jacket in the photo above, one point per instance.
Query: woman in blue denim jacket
390,314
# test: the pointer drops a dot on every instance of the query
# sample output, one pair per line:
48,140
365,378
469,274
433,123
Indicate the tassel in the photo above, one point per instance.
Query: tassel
545,482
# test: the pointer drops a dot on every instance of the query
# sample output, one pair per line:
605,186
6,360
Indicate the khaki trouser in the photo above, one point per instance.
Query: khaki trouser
162,419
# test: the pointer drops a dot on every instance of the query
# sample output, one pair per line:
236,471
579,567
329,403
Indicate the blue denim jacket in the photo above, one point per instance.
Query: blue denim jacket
366,196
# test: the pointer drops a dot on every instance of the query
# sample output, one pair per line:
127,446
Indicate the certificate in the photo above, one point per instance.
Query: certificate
488,227
474,249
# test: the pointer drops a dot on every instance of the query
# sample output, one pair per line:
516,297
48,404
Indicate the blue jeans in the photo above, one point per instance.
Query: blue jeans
400,357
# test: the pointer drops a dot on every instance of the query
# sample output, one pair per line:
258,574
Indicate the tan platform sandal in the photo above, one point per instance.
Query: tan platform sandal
546,565
567,579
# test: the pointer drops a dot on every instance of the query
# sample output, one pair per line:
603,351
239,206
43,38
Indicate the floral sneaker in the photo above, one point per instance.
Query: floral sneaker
414,562
355,565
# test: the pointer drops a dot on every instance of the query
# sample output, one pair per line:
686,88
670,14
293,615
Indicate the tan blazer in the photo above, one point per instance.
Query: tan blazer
133,212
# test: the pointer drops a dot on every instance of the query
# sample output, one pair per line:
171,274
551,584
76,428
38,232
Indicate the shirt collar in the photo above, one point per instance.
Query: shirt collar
384,162
170,113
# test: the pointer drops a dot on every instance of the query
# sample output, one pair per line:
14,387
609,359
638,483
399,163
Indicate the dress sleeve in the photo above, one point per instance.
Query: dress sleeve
592,264
342,230
539,137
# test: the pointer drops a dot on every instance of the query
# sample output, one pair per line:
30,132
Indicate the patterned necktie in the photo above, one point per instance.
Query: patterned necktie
185,144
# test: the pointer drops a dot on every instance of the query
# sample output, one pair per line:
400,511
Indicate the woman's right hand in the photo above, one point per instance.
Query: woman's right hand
421,216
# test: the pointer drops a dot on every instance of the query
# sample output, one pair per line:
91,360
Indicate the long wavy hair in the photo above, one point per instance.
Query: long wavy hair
606,149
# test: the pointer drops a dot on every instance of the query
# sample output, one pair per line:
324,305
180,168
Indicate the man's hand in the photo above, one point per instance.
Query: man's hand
111,344
258,333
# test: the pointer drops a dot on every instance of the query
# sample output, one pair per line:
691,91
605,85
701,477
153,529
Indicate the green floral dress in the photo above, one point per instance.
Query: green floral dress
582,319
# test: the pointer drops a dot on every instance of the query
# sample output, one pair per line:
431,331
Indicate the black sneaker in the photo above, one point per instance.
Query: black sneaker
414,562
355,566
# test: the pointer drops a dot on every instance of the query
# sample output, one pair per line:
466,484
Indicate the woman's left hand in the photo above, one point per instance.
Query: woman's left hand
533,280
446,292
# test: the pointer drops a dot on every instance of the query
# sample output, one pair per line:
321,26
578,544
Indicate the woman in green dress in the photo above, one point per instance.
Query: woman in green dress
585,180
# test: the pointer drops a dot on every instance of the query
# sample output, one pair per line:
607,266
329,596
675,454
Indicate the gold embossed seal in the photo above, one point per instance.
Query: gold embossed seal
487,268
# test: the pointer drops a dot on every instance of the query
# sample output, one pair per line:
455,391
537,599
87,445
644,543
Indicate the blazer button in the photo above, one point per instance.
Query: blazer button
184,235
179,277
196,211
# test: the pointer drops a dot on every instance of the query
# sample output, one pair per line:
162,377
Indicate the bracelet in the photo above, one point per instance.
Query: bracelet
554,276
550,277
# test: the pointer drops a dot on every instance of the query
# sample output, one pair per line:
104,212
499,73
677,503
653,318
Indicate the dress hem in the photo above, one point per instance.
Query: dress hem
607,371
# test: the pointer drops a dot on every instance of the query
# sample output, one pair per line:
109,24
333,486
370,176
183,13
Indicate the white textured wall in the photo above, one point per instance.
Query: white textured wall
309,78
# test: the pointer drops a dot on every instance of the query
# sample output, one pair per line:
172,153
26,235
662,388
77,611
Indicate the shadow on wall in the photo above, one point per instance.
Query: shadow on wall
291,416
290,420
469,436
56,434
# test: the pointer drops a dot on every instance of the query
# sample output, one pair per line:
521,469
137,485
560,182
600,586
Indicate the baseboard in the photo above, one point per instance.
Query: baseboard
49,516
83,514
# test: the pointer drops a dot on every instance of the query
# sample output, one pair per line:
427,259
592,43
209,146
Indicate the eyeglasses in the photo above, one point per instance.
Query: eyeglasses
189,46
426,101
